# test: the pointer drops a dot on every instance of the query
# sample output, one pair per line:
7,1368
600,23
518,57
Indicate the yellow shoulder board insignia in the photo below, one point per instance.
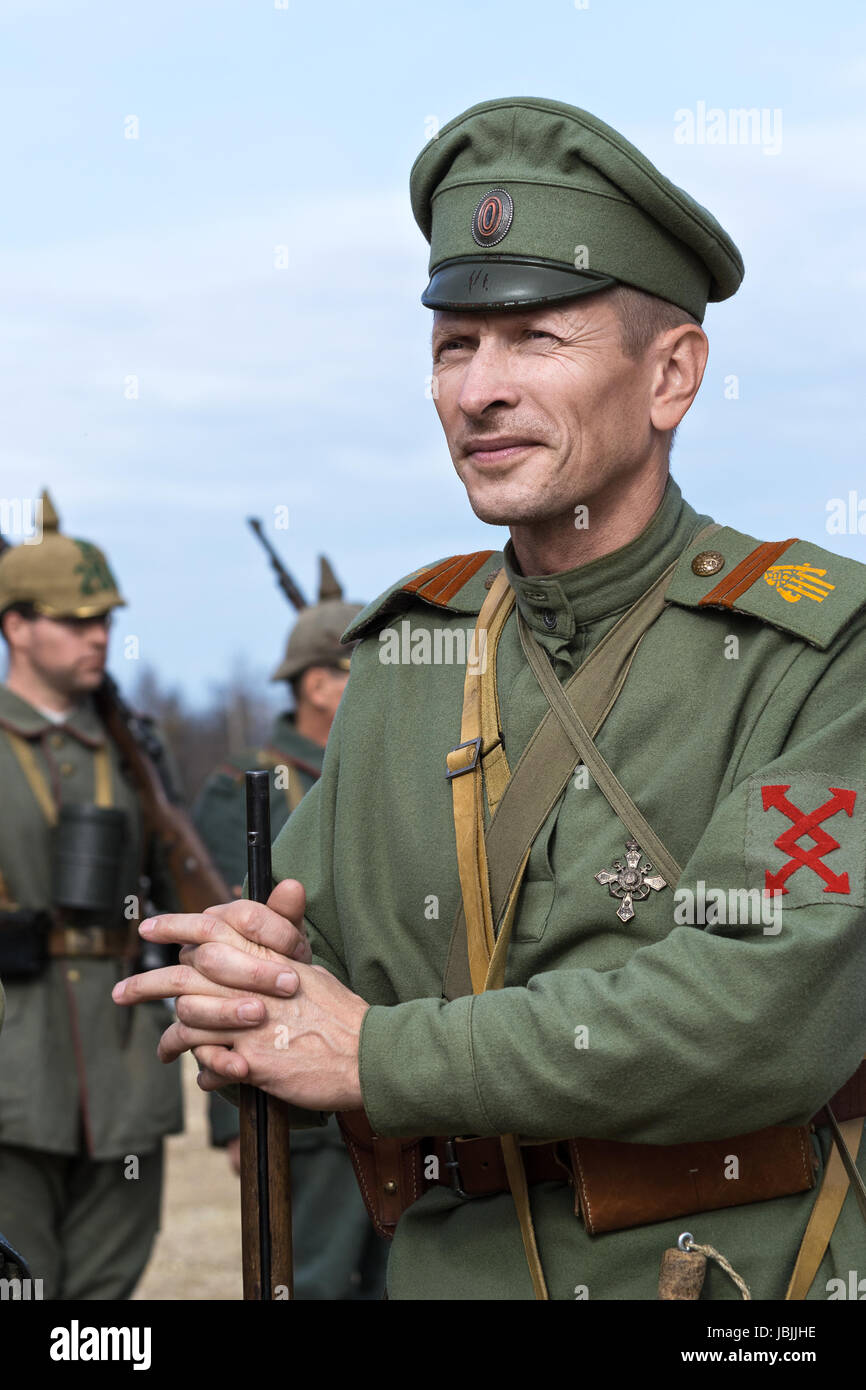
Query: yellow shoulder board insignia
791,584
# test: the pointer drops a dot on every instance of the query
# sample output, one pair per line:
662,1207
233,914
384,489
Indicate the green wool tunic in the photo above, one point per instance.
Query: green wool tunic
77,1073
694,1031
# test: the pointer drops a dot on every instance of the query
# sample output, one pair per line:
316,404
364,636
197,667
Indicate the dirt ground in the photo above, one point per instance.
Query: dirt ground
197,1254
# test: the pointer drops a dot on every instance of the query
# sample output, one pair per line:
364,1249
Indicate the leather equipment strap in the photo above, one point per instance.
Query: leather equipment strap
23,750
828,1205
601,772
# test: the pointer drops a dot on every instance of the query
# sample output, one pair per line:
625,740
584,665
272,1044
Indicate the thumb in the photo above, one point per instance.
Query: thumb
289,899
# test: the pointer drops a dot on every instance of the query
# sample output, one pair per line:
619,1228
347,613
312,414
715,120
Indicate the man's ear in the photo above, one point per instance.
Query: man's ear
681,358
311,682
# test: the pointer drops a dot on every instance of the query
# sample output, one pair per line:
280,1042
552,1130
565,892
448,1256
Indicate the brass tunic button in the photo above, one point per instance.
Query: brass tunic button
708,562
390,1187
73,976
56,740
67,769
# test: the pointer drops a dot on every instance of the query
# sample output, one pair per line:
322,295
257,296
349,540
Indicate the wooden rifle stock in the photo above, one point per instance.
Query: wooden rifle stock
266,1191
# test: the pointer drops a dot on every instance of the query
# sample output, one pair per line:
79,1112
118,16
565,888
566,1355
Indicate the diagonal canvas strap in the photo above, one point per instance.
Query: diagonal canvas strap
828,1204
848,1160
601,771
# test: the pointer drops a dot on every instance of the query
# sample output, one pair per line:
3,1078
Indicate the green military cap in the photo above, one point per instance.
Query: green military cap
61,577
526,202
315,638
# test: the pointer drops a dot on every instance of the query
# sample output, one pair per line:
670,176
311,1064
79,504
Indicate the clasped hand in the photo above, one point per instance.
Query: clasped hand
251,1006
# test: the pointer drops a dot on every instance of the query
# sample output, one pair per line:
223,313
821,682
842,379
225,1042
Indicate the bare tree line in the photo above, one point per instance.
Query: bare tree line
236,717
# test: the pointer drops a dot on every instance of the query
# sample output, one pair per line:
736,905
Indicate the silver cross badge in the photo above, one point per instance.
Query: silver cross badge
630,881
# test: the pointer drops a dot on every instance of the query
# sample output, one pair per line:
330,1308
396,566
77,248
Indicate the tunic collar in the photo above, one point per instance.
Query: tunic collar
557,605
21,717
285,737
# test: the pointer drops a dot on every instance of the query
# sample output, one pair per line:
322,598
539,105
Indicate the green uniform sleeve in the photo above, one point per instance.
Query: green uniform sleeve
711,1031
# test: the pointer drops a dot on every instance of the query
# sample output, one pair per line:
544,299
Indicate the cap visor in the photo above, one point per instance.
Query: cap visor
495,282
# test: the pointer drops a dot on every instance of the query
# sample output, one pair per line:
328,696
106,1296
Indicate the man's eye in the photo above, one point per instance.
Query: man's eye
448,344
538,333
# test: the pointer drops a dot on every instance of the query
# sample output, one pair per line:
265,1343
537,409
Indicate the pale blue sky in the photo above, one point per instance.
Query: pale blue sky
258,387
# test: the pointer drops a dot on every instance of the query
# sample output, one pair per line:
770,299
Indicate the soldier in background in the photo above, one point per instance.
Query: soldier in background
84,1100
337,1253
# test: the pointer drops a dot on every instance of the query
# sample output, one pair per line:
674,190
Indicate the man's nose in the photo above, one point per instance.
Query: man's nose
488,380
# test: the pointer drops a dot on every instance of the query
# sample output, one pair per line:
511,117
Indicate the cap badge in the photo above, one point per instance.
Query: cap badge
492,217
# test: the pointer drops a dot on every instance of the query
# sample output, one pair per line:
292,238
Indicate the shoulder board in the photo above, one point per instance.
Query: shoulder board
793,585
456,584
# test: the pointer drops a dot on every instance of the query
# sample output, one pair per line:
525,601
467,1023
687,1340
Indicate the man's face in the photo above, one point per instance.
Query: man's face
541,408
69,654
323,687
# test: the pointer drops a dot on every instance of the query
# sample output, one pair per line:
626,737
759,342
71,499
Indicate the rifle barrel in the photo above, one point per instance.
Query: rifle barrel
265,1177
284,579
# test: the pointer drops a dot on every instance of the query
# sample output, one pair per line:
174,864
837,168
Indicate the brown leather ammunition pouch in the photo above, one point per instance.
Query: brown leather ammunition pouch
616,1185
622,1185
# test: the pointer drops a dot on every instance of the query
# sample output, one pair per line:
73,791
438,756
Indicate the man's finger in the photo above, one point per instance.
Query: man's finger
289,899
220,1066
259,927
178,1039
277,925
166,983
234,969
203,1011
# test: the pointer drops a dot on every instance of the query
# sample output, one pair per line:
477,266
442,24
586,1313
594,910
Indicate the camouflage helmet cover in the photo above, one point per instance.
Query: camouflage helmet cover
60,576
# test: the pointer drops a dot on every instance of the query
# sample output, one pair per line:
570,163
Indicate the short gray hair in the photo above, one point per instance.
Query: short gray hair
643,317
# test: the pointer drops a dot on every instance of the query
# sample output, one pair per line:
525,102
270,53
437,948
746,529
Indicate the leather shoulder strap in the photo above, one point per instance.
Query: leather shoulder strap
24,752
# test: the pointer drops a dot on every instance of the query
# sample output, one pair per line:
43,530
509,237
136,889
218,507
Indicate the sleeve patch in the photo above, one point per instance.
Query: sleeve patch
806,839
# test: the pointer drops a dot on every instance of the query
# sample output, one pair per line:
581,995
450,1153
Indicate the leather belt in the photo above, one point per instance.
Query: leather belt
476,1168
92,941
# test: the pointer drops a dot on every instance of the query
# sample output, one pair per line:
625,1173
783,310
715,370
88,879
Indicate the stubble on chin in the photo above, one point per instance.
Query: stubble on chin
510,502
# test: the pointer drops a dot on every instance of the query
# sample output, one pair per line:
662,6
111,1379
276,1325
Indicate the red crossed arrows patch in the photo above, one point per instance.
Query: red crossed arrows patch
807,823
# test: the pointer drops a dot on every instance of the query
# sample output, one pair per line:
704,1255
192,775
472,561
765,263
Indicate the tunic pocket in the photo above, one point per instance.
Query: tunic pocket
539,886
